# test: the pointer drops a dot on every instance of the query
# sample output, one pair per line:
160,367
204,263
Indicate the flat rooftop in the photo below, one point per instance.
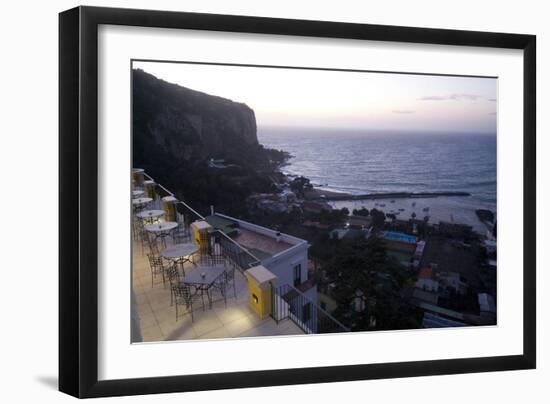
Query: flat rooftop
254,241
260,241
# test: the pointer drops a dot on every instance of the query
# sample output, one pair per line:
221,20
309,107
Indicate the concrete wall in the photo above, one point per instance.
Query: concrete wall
282,264
430,285
263,230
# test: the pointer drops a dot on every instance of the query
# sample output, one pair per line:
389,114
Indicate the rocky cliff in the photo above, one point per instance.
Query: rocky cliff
184,124
177,130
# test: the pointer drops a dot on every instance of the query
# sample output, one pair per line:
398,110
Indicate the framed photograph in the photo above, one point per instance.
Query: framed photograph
251,201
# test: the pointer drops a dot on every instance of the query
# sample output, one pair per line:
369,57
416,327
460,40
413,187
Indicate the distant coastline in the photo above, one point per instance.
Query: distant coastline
322,194
339,164
435,178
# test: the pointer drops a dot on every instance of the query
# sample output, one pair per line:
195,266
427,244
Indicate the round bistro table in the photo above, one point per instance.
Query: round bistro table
161,230
180,253
150,216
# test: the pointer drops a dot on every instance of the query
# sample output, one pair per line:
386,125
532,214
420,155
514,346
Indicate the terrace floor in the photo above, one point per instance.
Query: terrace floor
158,319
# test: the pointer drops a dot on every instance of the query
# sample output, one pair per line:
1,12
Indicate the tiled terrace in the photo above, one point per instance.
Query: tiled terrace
158,319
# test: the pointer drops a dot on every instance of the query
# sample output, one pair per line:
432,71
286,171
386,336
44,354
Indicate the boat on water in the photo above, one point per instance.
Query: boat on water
401,210
392,201
427,209
382,205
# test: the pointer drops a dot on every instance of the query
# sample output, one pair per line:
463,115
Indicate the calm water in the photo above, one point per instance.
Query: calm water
368,162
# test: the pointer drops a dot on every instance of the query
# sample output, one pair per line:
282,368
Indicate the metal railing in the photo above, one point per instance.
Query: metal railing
220,243
185,215
161,191
289,302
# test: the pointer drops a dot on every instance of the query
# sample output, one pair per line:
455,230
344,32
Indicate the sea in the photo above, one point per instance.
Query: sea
361,162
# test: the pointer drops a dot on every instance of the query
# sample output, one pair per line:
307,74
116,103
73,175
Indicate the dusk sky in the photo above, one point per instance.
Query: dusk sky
371,101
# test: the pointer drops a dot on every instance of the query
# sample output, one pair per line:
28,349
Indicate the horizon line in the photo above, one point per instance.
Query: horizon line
358,129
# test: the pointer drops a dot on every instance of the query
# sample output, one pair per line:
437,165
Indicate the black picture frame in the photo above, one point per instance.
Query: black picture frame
78,193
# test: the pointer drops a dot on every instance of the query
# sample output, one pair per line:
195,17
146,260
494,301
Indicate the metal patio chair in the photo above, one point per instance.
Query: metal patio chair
157,268
184,297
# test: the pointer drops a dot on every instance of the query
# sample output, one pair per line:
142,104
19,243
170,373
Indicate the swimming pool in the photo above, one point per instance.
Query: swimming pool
393,235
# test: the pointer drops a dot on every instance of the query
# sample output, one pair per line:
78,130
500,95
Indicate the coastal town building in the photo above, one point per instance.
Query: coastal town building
426,280
216,163
325,299
418,253
453,281
283,201
432,320
338,234
441,312
419,250
348,233
490,246
421,295
487,306
359,222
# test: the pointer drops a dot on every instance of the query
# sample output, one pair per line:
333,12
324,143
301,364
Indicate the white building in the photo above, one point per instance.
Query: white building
487,306
454,281
284,255
491,246
426,280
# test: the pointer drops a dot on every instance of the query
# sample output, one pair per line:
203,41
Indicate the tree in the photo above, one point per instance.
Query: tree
299,185
378,218
333,217
393,313
361,269
361,212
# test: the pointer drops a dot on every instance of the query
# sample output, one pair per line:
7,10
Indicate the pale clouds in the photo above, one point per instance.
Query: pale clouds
453,97
338,99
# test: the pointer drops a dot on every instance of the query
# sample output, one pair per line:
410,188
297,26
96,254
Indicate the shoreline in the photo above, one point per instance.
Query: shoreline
321,194
400,206
317,193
